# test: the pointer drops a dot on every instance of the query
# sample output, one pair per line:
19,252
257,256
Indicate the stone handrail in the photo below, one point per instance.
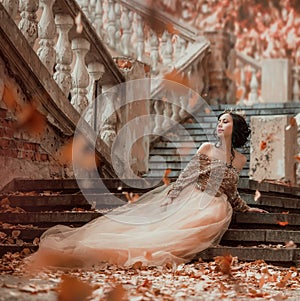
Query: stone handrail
72,53
249,87
133,29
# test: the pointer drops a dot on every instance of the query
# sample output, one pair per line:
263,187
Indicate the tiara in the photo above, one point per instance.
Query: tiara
240,112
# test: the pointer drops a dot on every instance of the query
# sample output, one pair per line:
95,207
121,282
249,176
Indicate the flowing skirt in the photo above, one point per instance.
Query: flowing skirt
143,231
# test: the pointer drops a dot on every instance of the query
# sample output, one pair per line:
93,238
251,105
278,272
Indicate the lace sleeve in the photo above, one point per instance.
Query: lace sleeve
189,175
237,203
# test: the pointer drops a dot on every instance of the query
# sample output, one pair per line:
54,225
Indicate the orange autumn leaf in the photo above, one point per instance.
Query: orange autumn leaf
170,28
175,76
165,178
131,197
30,119
116,294
297,157
72,289
257,195
263,145
282,223
239,93
76,151
223,264
9,97
207,111
293,121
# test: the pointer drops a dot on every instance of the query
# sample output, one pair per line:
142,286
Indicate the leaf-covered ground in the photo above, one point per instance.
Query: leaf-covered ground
223,279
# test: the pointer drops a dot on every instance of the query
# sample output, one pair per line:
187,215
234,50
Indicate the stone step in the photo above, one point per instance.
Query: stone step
49,218
260,236
268,254
254,253
67,201
271,220
285,203
240,236
71,185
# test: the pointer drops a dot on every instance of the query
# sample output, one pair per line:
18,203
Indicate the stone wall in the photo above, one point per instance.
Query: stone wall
29,145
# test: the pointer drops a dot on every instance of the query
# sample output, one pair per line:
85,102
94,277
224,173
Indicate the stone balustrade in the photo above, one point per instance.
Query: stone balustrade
67,44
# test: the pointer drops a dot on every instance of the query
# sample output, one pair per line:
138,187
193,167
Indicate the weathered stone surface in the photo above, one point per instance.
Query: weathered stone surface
273,148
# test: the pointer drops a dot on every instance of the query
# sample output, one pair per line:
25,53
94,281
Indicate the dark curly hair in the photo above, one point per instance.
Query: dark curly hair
240,130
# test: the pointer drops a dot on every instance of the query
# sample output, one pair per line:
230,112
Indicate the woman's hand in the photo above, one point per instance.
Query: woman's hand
253,209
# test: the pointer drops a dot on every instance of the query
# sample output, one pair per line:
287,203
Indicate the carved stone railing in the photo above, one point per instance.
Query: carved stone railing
133,29
68,46
248,83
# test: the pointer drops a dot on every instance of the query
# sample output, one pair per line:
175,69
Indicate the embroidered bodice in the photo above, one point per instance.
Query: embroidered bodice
213,176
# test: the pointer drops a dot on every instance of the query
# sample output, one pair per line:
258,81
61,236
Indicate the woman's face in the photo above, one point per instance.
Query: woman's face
225,125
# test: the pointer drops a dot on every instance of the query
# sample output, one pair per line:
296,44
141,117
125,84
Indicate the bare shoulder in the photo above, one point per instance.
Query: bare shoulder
239,160
205,148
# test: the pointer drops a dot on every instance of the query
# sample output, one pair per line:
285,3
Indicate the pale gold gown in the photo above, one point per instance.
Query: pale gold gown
203,198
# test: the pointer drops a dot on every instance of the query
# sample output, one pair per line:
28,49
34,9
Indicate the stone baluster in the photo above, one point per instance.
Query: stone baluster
163,42
80,76
111,26
126,25
96,71
158,112
46,33
92,10
295,91
182,105
62,75
168,53
167,113
253,95
85,6
178,47
242,86
12,7
28,22
184,45
98,20
140,47
118,26
154,54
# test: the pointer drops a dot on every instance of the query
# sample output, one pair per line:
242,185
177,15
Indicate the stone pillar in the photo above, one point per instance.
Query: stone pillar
273,148
221,45
276,81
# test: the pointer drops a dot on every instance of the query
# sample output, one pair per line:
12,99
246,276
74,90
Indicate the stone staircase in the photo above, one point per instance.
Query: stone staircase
177,147
272,237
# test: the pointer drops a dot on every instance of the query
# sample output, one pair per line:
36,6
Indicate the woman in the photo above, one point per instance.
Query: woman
168,224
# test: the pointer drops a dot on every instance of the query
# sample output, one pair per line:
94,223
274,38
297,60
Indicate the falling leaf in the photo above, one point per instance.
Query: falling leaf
30,119
290,244
131,197
207,111
257,195
9,97
177,77
116,294
282,223
77,151
170,28
223,264
73,289
263,145
165,178
297,157
78,23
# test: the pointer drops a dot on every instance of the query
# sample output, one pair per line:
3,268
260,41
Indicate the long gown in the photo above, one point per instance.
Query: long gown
204,197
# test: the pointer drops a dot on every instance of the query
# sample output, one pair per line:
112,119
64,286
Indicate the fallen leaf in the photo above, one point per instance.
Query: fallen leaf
73,289
165,178
282,223
223,264
263,145
116,294
257,195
